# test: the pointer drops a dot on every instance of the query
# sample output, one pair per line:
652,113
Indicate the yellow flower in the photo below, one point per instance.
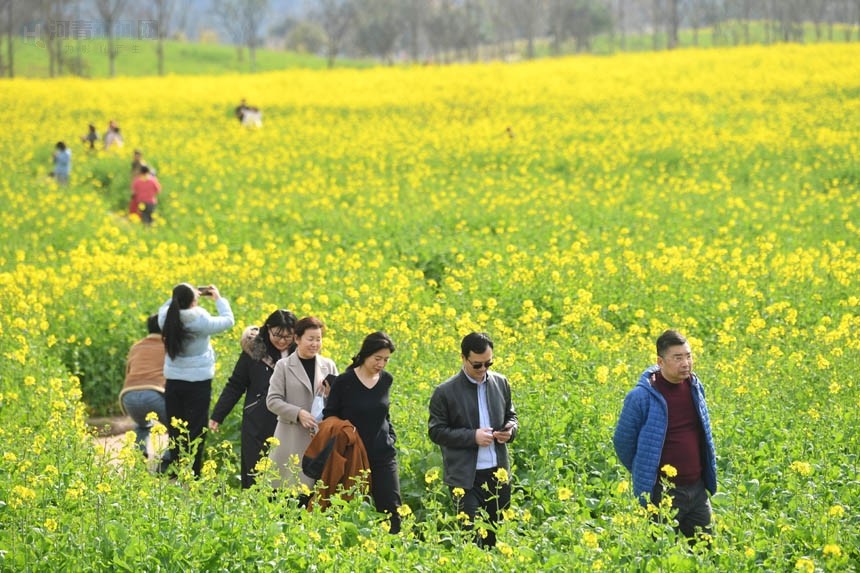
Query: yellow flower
622,487
103,487
151,417
589,539
504,549
29,381
458,492
836,511
802,468
50,524
207,472
805,565
669,470
501,475
273,442
564,494
832,550
404,510
9,457
749,552
20,495
431,475
263,465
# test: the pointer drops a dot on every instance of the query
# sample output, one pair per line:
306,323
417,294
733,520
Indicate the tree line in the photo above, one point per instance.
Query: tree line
438,31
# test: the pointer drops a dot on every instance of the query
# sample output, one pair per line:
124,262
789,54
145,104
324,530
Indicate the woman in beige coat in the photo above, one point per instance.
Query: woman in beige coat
295,382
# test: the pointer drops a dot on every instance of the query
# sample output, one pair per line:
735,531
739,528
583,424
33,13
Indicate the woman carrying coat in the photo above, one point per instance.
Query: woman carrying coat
261,350
295,382
190,363
362,396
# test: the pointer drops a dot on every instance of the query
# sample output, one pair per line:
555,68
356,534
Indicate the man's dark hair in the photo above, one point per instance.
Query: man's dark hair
476,342
669,338
152,324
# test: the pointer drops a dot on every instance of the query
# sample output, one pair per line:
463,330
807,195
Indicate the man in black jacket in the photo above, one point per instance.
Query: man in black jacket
472,418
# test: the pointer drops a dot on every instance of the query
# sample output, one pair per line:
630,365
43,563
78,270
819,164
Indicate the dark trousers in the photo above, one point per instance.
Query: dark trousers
385,489
187,401
146,213
493,498
693,505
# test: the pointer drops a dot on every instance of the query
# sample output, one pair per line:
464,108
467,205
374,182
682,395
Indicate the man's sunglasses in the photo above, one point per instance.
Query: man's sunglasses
480,365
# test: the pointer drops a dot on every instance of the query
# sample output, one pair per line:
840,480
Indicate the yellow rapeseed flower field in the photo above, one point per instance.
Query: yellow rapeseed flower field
572,208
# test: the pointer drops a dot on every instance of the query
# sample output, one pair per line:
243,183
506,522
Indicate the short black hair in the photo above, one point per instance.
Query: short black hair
669,338
152,324
476,342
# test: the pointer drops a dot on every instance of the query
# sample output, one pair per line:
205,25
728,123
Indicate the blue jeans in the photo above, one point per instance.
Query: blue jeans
139,403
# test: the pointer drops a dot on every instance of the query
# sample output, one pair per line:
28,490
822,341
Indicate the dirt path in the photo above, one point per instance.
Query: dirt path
110,433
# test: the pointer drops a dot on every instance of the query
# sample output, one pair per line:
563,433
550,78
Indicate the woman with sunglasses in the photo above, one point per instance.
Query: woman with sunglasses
261,349
361,395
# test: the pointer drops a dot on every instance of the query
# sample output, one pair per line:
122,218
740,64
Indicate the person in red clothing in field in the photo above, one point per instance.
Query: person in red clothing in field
144,195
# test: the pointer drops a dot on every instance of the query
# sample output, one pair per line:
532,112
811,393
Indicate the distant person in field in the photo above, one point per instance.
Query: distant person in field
113,137
248,116
143,391
472,418
91,137
144,195
361,395
137,162
189,366
261,349
664,431
62,158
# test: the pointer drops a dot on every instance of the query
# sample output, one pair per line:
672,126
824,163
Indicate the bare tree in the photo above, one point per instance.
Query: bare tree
242,20
672,24
163,14
335,17
379,23
656,19
527,14
414,14
110,11
8,12
441,28
229,12
53,15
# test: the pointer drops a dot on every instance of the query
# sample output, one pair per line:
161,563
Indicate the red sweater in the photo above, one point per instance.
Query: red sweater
146,189
683,445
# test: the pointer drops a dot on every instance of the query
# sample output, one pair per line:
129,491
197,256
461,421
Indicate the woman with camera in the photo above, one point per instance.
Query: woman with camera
190,363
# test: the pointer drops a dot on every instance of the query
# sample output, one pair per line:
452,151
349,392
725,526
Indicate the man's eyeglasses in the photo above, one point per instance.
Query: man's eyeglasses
282,336
480,365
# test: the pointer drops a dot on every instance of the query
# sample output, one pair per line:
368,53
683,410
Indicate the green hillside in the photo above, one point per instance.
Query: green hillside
138,58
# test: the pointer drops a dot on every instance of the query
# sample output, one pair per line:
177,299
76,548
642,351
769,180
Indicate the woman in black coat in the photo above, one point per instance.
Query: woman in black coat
362,396
261,349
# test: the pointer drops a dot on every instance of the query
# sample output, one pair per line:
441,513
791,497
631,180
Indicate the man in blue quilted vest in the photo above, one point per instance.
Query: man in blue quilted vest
664,430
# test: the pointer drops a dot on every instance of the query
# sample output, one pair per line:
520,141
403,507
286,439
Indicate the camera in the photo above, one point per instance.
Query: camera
204,290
